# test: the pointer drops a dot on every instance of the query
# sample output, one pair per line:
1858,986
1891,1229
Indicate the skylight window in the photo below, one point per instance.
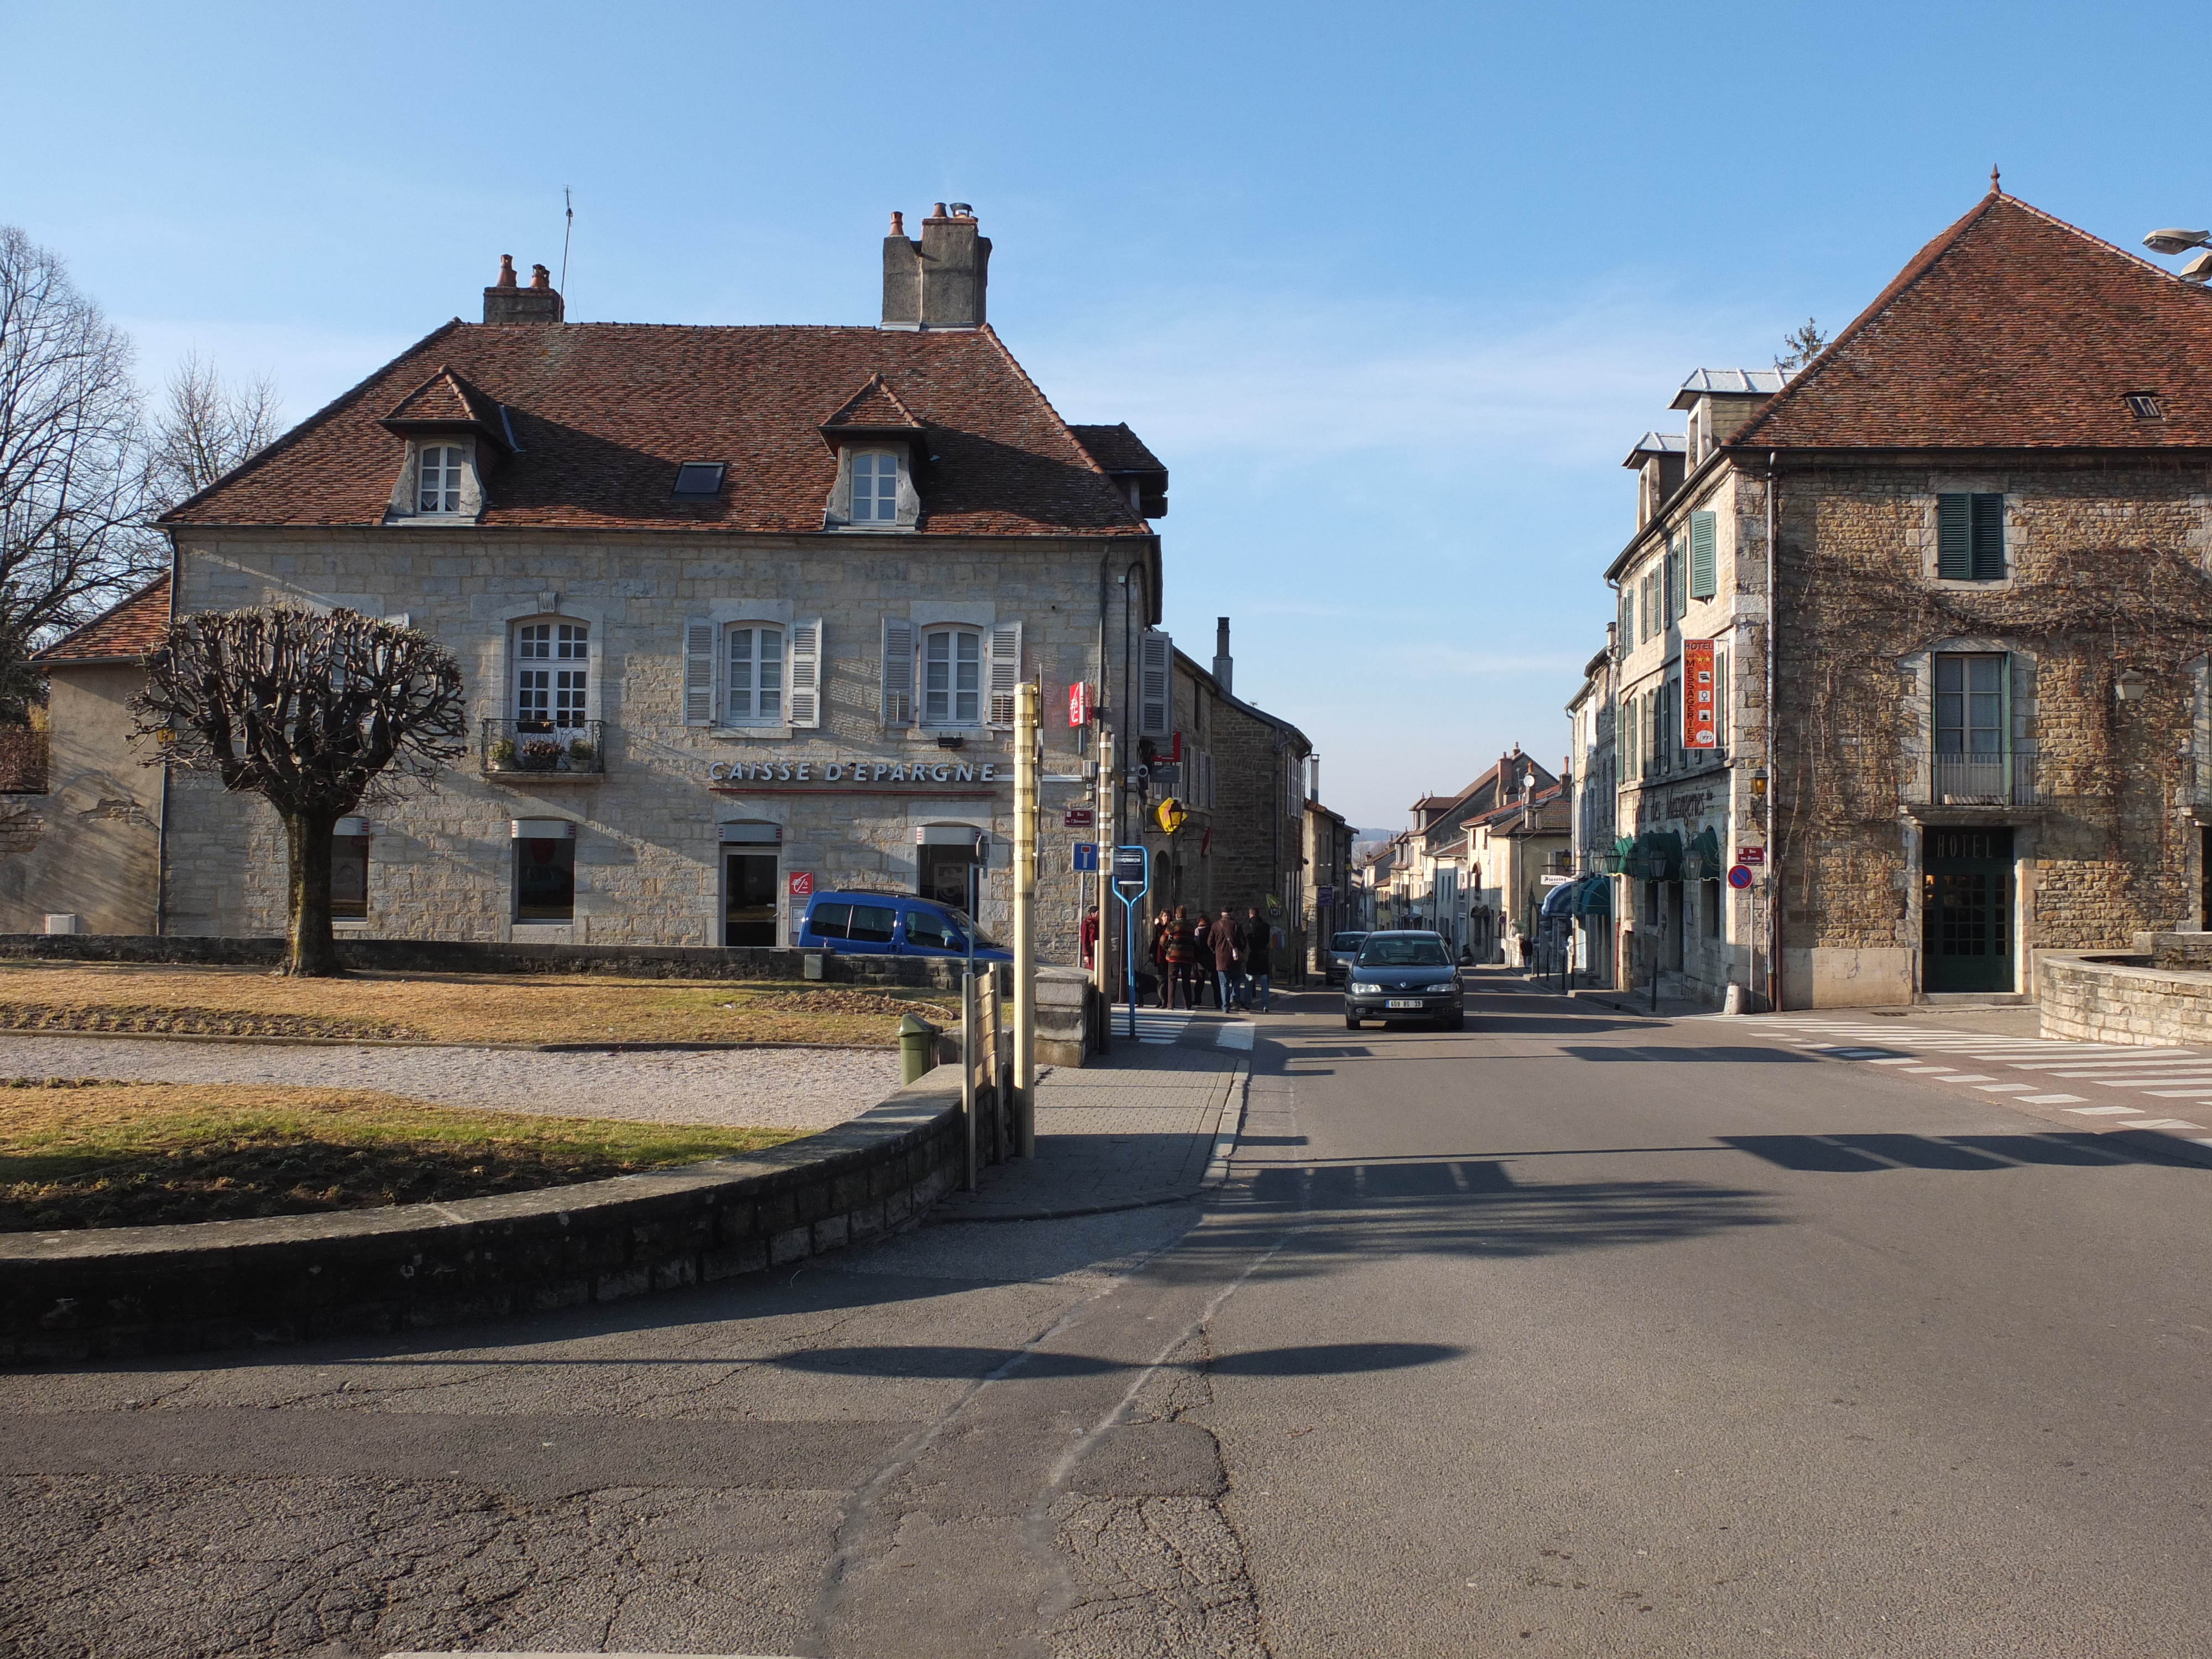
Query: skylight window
699,478
2146,405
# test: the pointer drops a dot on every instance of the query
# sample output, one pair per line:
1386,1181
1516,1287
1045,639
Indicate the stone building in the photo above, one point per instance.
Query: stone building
740,610
79,854
1444,879
1240,775
1985,509
1594,786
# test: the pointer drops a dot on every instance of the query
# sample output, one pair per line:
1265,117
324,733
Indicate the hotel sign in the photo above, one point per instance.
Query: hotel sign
1700,708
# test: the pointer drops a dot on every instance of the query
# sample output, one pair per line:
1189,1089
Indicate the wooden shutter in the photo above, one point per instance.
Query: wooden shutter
1005,670
698,672
898,672
1155,684
807,672
1704,575
1678,595
1954,539
1986,535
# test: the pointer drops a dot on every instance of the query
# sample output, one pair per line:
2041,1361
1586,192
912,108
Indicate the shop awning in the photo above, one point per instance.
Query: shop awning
1559,901
1594,896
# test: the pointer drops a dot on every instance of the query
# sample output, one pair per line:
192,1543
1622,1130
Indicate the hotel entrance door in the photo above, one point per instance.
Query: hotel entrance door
749,897
1967,910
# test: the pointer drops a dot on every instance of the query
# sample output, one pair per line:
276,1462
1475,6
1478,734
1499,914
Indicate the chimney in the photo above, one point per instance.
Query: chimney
505,301
939,282
1224,666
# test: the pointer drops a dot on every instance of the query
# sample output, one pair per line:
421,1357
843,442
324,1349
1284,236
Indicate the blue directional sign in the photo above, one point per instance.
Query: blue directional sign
1086,856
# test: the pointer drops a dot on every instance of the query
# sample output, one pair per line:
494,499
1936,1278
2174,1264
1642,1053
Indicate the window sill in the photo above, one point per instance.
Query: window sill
751,733
874,529
436,520
966,734
519,775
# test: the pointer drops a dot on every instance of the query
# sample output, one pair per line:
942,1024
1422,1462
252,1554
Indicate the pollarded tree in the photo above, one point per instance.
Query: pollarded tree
317,713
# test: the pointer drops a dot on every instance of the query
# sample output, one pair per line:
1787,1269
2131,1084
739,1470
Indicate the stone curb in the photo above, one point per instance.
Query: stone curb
410,1042
99,1293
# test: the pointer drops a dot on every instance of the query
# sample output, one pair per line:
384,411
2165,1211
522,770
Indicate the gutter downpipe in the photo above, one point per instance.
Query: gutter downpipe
1773,770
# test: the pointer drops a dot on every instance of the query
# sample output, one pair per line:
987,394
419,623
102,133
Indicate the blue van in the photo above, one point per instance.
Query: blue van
892,924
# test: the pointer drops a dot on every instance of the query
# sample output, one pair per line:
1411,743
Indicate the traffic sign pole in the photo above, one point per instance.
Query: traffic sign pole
1132,879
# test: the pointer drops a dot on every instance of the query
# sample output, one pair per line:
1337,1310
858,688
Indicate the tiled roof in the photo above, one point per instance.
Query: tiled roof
874,408
602,414
123,634
1117,449
444,399
2012,330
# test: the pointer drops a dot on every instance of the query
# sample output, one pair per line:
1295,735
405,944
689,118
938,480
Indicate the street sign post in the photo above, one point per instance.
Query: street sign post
1132,879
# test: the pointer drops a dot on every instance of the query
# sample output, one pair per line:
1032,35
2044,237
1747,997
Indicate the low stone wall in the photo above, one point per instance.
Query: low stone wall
469,957
2110,998
106,1293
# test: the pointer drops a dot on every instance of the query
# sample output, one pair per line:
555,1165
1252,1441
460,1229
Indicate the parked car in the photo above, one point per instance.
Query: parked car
1404,974
1342,947
892,924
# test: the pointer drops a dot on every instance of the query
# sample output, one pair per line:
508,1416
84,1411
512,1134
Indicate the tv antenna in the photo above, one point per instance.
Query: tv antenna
569,203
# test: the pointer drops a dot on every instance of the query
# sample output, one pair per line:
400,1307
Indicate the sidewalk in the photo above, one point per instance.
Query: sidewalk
1151,1123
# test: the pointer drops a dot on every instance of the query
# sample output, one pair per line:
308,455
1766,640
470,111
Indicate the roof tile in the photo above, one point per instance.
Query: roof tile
124,632
603,413
2012,330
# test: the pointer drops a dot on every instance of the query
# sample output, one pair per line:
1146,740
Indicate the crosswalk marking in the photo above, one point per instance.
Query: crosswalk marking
2102,1111
1158,1029
2050,1100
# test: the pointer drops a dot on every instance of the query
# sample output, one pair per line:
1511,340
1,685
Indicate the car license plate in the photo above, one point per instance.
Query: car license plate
1403,1002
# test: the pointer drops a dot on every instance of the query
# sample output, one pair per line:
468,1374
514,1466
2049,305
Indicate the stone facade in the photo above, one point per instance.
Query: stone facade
845,798
87,846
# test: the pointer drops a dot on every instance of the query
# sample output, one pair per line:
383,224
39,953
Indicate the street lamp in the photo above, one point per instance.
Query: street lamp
2129,685
2199,270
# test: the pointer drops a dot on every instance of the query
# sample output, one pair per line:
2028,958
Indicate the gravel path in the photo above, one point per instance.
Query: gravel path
766,1088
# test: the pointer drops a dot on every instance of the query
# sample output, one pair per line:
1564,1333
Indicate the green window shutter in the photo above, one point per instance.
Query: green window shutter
1704,576
1678,595
1987,536
1954,556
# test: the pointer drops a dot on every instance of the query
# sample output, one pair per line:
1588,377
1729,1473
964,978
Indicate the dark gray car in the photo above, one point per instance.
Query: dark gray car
1404,975
1342,947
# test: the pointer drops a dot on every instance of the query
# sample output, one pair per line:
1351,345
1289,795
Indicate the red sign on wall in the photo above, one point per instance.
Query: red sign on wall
1078,703
1700,696
802,884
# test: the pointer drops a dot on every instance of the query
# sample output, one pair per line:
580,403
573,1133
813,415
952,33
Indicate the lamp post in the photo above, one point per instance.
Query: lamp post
2198,271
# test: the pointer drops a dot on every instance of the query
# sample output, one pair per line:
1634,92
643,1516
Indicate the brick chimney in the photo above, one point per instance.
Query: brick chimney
939,282
1224,666
506,301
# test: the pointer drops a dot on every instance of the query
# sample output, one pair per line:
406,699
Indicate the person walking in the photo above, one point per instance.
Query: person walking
1162,925
1181,951
1088,939
1259,958
1201,959
1228,960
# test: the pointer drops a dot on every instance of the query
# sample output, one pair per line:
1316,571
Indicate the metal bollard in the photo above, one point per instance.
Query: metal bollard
917,1046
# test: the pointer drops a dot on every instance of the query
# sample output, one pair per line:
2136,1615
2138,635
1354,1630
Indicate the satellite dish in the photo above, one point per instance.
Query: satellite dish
2176,241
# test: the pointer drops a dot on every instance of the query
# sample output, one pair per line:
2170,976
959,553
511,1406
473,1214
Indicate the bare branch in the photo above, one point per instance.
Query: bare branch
317,713
206,429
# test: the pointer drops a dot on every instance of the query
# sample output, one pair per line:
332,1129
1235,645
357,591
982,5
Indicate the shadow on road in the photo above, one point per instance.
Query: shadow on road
1861,1154
911,1361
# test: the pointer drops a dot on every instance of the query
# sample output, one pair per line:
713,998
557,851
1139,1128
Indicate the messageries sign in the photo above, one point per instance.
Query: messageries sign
1701,704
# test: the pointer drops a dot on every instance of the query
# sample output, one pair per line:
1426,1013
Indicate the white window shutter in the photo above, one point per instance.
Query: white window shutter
1155,684
898,672
698,672
807,672
1006,671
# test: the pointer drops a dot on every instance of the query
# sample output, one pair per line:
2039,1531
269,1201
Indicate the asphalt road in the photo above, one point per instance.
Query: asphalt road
1572,1334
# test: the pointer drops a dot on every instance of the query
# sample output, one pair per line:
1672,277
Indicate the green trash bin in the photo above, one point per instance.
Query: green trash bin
917,1046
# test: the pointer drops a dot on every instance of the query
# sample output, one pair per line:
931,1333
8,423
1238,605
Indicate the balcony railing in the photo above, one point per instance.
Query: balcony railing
541,749
1984,781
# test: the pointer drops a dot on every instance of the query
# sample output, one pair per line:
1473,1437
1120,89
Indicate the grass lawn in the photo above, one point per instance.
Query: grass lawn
452,1007
95,1153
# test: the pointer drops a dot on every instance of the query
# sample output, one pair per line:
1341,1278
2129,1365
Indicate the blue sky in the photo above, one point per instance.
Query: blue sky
1392,290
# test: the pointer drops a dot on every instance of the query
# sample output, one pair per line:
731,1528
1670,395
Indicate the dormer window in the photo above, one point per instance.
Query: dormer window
875,487
438,478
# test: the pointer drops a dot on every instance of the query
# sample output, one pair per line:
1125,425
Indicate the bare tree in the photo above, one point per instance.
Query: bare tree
206,429
72,474
1800,345
317,714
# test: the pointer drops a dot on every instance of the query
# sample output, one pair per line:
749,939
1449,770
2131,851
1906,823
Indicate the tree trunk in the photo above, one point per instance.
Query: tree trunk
313,953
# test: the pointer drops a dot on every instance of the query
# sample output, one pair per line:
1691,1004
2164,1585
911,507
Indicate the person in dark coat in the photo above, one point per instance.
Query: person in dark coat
1163,972
1200,971
1258,941
1228,961
1180,952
